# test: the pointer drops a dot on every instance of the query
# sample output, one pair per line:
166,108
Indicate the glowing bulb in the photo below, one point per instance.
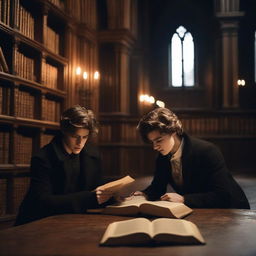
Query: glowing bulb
241,82
78,71
96,75
160,103
151,99
142,97
85,75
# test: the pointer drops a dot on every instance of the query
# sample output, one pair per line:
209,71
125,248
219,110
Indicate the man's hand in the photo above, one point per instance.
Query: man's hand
172,197
103,195
137,193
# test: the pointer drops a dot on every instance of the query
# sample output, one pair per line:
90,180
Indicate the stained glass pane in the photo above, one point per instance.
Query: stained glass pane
176,61
188,50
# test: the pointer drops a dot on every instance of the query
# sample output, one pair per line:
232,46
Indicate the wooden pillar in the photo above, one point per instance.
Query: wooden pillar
228,13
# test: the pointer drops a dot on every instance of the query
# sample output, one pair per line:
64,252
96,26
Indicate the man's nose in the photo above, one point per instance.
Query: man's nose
155,146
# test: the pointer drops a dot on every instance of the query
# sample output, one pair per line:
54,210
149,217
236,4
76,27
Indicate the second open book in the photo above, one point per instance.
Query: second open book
138,204
142,231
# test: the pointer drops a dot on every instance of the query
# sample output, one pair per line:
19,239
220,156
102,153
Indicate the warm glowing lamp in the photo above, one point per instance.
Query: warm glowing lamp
96,75
85,75
78,71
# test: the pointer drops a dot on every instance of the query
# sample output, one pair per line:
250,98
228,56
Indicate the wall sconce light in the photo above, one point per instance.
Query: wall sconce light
79,71
147,98
150,99
241,82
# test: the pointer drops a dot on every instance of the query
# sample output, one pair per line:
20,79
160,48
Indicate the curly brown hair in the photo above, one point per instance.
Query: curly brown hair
78,117
160,119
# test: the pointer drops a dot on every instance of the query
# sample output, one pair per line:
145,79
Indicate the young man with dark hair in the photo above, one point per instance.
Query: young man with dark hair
66,173
194,168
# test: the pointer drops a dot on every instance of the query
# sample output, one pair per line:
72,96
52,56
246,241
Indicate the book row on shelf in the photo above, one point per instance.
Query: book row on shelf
10,203
5,100
25,22
24,66
26,102
26,142
5,6
52,40
50,75
51,110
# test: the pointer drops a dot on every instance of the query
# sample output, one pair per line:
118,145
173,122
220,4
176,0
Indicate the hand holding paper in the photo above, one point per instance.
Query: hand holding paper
106,191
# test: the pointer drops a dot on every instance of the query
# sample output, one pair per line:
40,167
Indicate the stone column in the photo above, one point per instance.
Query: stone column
227,11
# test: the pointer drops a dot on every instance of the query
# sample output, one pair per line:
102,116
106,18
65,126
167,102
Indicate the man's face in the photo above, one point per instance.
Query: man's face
162,142
74,142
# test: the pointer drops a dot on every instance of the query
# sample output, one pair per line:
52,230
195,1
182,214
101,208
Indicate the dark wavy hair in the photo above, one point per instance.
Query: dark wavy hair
78,117
160,119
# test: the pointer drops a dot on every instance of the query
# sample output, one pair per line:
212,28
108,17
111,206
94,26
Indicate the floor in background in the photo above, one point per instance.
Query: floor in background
248,183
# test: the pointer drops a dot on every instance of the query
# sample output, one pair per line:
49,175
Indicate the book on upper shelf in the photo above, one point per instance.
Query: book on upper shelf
139,205
3,63
140,231
115,186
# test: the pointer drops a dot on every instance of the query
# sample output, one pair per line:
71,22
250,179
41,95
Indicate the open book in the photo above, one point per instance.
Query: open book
138,204
116,185
142,231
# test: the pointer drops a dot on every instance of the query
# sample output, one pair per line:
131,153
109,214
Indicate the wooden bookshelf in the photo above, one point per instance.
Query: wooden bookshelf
32,89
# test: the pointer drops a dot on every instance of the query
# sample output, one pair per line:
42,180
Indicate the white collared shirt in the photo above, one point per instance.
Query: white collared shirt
177,164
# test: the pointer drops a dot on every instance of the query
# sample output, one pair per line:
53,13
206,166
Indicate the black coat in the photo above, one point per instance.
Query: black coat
50,175
206,180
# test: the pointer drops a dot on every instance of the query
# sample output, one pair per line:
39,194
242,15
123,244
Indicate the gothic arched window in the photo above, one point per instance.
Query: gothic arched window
181,59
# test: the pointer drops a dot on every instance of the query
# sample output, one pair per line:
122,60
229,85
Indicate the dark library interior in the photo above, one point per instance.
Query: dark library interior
118,58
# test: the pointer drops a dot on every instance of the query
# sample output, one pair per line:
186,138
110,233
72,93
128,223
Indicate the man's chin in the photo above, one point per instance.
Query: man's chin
76,152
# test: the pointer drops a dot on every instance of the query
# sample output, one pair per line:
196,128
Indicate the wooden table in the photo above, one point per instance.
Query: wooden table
227,232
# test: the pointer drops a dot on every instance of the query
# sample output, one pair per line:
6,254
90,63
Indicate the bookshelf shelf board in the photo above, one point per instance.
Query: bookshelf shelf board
59,58
4,119
37,123
7,217
7,76
6,29
7,170
46,90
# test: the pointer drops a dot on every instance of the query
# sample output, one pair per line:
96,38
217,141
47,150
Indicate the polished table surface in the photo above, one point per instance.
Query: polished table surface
227,232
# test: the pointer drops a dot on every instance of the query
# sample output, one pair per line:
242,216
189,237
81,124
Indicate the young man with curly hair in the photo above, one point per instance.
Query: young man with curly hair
194,168
66,173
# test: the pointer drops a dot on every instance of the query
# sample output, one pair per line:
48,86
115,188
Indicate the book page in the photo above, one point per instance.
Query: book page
117,184
193,230
130,206
165,209
169,226
182,231
126,228
130,201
